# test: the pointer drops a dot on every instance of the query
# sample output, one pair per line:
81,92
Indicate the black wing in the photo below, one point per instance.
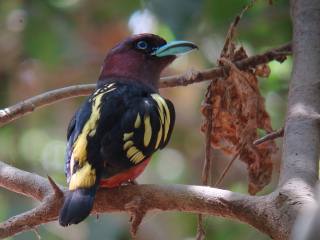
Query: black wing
144,127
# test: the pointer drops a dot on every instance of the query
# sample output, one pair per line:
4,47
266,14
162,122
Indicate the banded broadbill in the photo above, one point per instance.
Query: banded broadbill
113,135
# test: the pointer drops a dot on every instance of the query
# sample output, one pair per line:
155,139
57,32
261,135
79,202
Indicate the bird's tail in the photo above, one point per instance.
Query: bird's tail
77,205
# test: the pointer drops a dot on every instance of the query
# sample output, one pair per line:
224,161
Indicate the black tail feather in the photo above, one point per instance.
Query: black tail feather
77,206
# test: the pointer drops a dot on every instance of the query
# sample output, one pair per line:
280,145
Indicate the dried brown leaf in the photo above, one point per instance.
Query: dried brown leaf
262,70
238,112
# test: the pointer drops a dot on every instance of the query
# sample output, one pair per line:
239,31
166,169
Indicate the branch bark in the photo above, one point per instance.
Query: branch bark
193,199
20,109
302,135
299,166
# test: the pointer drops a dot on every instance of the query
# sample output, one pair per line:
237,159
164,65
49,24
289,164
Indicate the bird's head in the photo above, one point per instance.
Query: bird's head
142,58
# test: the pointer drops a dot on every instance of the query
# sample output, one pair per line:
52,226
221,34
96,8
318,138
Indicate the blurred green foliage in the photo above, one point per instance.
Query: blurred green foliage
53,43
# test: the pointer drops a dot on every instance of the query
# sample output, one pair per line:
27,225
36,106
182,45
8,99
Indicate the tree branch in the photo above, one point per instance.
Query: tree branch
300,158
270,213
302,134
27,106
270,136
22,108
25,183
193,199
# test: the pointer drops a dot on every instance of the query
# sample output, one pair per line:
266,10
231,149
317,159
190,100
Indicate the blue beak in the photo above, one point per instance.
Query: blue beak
174,48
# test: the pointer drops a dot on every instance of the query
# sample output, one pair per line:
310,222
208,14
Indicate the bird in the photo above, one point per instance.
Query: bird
112,136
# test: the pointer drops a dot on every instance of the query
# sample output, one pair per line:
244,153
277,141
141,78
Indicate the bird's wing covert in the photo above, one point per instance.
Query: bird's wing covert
147,127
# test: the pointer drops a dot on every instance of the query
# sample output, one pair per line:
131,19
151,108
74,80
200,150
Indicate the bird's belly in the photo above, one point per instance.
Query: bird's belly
128,175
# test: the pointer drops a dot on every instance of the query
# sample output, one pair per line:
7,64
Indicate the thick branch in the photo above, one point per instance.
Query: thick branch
19,181
270,214
22,108
302,133
194,199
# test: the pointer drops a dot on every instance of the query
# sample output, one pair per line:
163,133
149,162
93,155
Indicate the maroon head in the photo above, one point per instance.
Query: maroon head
142,58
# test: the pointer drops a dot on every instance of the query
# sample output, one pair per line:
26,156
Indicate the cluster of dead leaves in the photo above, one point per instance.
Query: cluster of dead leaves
238,111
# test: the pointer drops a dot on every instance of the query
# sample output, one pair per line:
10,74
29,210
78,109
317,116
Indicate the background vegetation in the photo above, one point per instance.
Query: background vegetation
54,43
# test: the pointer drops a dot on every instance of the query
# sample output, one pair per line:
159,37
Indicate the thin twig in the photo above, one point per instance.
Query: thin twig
207,163
207,160
36,232
231,31
201,232
270,136
226,169
137,212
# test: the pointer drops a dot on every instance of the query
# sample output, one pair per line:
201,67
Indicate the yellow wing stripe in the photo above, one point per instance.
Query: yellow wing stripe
132,151
167,120
138,157
79,152
110,85
135,155
127,145
105,89
164,114
127,136
159,137
147,131
110,90
85,177
137,123
157,97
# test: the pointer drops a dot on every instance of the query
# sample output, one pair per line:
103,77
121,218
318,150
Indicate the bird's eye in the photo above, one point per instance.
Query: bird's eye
142,45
